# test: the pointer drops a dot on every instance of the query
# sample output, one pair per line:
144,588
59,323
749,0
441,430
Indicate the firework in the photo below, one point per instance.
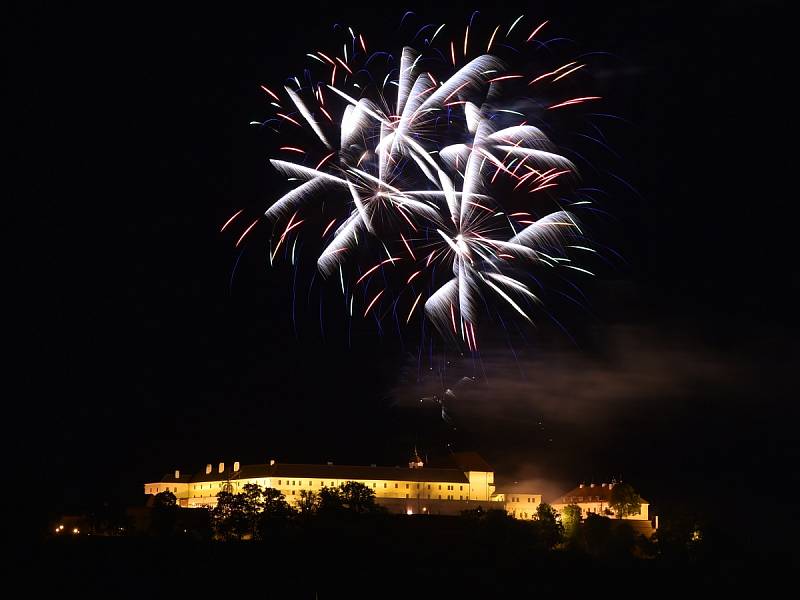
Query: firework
420,161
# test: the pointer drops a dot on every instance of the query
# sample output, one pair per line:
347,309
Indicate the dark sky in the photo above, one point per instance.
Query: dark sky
142,354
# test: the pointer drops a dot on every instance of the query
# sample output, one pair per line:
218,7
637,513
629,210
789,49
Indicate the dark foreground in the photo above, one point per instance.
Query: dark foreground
387,558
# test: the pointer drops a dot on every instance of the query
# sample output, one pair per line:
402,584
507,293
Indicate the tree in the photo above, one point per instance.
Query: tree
275,515
625,501
358,497
548,527
165,513
329,501
251,501
308,503
606,538
275,505
571,519
228,516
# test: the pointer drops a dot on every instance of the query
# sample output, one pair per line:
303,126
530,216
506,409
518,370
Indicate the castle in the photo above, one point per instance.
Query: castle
416,489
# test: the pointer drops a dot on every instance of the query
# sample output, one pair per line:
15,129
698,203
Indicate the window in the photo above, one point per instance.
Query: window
429,486
384,484
440,487
374,484
395,485
461,497
461,487
406,495
279,481
440,496
406,486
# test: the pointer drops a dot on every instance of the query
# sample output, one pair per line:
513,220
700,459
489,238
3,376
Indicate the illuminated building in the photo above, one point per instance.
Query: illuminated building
415,489
596,499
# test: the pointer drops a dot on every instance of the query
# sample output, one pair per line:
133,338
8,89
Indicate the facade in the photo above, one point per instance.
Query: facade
596,499
520,501
416,489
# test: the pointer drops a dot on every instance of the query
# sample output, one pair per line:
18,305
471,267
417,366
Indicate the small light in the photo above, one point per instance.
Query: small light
75,530
57,530
61,527
409,512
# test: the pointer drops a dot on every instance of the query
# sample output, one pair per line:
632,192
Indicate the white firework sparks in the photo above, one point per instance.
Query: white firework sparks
421,167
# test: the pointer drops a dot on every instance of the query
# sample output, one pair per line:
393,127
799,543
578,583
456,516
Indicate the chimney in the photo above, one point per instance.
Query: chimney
271,462
236,466
208,469
581,486
177,474
221,467
604,485
610,485
591,485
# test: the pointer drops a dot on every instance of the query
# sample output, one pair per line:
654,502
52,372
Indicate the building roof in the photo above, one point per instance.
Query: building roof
333,472
470,461
595,492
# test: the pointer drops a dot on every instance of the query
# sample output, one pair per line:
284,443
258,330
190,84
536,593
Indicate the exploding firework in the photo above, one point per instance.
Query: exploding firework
429,162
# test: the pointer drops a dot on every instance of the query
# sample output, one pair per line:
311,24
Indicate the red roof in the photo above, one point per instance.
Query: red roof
595,492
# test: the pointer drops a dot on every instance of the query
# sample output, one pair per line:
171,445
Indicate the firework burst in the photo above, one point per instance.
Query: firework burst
423,156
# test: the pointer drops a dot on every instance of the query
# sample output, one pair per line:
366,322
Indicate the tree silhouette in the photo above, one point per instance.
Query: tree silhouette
547,525
165,513
329,501
357,497
571,519
625,501
308,503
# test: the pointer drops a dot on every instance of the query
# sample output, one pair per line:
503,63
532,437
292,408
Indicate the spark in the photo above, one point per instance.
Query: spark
374,300
246,231
504,77
411,312
413,275
328,227
575,101
322,162
373,269
288,118
535,31
228,222
519,18
568,72
270,92
411,252
491,39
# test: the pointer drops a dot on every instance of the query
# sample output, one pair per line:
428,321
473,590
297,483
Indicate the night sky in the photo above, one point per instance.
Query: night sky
142,353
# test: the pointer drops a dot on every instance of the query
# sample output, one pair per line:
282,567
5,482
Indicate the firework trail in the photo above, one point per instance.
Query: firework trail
421,156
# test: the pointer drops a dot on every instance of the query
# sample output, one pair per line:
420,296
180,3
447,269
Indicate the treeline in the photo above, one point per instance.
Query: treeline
263,514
